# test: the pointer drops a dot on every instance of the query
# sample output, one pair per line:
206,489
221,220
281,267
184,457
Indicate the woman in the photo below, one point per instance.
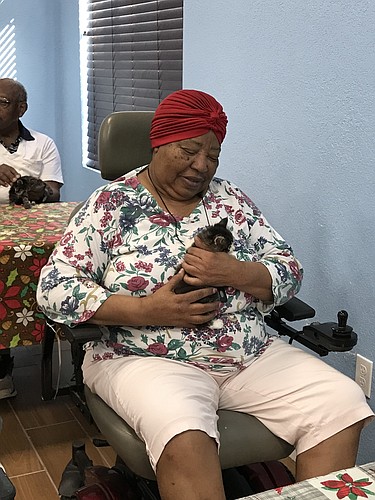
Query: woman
167,361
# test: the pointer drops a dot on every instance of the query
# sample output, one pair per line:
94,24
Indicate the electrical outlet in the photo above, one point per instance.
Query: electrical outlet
363,374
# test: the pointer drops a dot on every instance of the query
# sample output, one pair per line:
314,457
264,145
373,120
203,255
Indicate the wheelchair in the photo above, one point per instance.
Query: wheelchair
124,145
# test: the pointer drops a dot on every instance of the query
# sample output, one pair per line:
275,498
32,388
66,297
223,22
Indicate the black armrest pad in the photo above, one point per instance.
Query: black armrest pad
295,309
81,333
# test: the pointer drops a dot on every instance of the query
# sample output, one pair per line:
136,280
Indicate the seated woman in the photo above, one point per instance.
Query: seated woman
168,361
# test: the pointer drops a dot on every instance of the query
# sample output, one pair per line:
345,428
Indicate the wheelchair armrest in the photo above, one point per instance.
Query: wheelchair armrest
81,333
295,310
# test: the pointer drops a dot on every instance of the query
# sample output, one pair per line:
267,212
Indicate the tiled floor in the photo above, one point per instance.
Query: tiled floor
37,436
36,440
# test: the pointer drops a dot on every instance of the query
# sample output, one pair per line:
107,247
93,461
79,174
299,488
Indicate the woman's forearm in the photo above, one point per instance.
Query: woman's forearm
253,278
161,308
121,310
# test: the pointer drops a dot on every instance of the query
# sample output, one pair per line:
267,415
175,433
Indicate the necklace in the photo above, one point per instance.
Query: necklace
12,148
175,221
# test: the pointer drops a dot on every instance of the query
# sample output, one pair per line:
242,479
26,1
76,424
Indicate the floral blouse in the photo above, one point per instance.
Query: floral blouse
122,242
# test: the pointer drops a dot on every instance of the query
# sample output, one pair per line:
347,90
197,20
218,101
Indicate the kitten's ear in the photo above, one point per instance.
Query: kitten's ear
223,222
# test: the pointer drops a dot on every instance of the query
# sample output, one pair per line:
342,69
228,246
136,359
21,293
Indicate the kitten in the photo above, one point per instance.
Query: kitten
28,190
217,238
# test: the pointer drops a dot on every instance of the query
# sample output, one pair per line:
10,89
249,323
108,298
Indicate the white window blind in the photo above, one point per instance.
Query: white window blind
133,58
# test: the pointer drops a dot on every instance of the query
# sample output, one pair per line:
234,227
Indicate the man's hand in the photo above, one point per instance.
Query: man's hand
54,191
8,175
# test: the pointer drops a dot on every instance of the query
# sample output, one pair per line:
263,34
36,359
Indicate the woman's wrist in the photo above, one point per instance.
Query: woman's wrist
253,278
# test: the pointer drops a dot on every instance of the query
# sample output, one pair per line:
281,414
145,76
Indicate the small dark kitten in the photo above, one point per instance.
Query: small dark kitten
217,238
28,190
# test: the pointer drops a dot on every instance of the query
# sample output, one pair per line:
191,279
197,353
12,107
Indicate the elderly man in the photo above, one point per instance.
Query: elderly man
22,152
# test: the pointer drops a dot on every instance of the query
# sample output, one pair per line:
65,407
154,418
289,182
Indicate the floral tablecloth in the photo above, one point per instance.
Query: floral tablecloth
355,483
27,237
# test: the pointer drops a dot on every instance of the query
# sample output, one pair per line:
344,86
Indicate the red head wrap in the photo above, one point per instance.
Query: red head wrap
186,114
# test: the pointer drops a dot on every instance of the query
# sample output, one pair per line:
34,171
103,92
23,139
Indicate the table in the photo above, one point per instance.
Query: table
354,483
27,238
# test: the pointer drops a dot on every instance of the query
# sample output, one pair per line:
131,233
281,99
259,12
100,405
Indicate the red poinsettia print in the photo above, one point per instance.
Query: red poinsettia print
38,332
348,488
9,299
37,266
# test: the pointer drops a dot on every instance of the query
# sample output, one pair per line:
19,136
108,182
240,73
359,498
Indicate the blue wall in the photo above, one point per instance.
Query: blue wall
297,82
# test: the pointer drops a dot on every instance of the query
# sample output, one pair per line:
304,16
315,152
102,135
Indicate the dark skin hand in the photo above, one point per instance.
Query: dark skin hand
163,307
9,175
205,268
55,186
208,268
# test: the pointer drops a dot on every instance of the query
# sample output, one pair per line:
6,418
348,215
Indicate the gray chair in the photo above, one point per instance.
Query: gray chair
124,145
124,142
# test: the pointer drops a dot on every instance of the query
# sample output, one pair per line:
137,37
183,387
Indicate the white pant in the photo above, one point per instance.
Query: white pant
295,394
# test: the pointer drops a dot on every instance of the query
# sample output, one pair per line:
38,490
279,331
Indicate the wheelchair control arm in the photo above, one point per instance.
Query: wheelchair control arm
322,338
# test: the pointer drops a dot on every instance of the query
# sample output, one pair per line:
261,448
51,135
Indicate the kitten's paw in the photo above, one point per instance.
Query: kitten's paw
216,324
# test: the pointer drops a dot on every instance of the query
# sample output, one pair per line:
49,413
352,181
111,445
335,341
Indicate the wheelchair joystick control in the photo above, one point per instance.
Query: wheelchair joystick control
328,337
342,319
342,328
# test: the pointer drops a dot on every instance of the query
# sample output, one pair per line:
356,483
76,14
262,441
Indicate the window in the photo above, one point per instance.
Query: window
131,59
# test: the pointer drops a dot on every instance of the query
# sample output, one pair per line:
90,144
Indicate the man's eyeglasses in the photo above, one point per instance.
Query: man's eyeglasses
5,103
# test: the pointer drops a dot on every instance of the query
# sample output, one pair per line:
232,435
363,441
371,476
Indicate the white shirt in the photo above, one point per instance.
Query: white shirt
39,158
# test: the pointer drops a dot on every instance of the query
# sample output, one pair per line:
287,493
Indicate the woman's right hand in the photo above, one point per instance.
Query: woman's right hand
166,308
162,308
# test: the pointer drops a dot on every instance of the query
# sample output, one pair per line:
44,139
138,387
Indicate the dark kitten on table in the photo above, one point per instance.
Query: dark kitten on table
28,190
217,238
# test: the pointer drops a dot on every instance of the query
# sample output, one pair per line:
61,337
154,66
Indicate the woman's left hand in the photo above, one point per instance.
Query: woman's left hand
206,268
